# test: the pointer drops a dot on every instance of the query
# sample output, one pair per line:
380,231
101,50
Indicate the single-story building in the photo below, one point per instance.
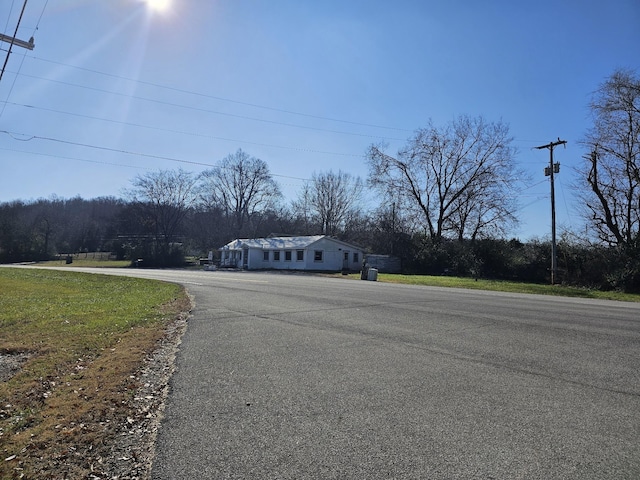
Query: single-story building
314,253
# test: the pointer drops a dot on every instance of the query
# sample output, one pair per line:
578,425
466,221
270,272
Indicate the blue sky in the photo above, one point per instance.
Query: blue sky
114,89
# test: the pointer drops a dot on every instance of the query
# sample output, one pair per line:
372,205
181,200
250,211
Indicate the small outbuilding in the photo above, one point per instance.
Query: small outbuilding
312,253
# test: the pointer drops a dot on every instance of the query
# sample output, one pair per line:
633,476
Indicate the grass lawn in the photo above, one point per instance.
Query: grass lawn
83,337
502,286
95,260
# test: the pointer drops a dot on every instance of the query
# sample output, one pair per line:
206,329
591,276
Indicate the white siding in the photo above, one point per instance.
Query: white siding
333,252
255,259
332,255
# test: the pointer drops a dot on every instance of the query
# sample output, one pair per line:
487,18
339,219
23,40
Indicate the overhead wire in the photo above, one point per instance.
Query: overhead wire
65,157
177,105
6,25
216,112
205,110
16,135
13,83
40,17
223,99
181,132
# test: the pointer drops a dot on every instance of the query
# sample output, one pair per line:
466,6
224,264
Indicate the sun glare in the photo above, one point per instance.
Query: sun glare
158,5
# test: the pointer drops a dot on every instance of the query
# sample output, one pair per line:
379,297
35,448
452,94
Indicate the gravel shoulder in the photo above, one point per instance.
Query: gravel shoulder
132,448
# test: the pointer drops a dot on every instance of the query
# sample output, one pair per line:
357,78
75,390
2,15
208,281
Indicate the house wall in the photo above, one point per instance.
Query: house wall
257,261
332,258
333,254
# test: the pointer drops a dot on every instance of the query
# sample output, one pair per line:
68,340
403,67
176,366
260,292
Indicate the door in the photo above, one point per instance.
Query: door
345,261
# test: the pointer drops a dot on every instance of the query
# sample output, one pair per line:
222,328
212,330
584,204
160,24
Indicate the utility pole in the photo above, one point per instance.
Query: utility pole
14,41
549,171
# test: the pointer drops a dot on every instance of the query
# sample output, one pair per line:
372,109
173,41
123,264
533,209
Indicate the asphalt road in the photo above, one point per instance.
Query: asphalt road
283,376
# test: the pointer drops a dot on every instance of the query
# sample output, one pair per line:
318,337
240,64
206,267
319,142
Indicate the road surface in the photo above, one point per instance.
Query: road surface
286,376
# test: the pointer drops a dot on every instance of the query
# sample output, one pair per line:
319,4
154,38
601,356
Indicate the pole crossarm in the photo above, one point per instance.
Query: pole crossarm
16,41
552,144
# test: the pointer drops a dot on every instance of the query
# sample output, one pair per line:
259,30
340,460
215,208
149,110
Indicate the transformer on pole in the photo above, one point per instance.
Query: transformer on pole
549,171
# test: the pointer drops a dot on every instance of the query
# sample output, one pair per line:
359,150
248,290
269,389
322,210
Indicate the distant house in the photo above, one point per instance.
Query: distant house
314,253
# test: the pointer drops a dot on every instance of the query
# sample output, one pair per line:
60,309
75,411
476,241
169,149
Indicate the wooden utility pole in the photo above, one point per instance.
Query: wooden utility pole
14,41
549,171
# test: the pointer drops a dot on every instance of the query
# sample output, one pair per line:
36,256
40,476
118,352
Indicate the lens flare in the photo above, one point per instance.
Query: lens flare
158,5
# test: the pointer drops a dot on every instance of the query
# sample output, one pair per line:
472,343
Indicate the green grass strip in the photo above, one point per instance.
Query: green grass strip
506,286
499,286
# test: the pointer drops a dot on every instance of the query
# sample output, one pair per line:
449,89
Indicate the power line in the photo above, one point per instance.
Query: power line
40,17
6,26
181,132
28,138
178,105
100,162
99,147
63,157
16,135
205,110
214,97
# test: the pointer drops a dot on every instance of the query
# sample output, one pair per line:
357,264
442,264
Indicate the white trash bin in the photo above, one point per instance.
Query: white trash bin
372,275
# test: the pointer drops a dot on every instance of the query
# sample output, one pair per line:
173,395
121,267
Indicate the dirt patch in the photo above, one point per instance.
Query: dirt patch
10,364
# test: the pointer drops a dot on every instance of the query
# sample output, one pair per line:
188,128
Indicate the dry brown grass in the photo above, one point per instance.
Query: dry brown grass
60,413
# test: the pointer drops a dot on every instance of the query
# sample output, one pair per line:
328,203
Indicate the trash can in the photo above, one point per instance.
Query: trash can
372,275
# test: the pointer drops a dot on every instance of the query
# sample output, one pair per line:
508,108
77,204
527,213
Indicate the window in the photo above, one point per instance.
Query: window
300,255
276,256
317,256
287,255
265,255
355,258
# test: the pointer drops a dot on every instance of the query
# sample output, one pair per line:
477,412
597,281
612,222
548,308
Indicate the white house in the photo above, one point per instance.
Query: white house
315,253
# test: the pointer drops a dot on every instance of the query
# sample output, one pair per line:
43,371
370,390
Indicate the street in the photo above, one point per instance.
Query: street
289,376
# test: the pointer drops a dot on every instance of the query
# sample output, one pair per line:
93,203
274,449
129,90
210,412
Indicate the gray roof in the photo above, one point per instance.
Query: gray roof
275,243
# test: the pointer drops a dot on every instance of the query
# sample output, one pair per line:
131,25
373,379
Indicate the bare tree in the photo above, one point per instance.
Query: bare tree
163,198
610,176
242,187
484,212
330,198
456,180
304,212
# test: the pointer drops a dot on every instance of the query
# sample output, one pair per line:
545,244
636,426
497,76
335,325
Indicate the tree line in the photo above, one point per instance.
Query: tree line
448,200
